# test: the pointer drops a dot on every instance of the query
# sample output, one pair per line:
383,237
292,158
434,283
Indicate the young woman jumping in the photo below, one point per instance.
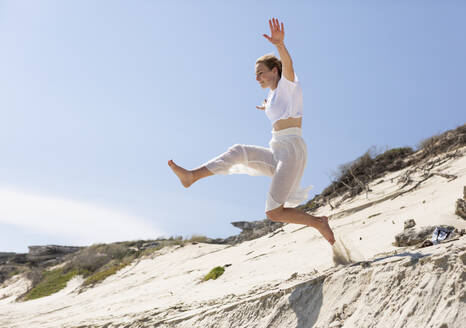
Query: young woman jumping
285,159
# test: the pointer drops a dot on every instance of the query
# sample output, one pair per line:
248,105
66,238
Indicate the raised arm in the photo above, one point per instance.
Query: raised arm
277,38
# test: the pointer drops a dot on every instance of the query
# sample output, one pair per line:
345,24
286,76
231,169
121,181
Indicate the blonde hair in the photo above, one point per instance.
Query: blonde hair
271,61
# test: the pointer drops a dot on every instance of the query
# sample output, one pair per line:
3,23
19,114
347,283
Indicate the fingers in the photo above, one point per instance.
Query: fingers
267,37
275,25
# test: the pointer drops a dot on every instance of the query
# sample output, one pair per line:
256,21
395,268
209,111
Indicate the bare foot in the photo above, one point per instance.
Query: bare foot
186,177
326,231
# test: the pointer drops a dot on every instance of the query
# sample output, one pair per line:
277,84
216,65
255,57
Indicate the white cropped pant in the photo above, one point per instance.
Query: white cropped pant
284,161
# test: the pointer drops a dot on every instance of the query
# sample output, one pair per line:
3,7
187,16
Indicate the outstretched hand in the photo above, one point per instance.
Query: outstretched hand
263,105
277,33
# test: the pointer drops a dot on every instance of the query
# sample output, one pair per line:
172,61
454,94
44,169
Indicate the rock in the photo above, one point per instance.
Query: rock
460,232
293,276
250,230
5,257
409,223
52,250
414,236
461,205
255,229
6,271
425,243
49,252
149,245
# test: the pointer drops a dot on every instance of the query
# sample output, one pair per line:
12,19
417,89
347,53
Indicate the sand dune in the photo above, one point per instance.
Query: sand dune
285,279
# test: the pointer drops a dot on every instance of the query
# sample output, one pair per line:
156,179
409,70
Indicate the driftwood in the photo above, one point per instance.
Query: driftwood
426,167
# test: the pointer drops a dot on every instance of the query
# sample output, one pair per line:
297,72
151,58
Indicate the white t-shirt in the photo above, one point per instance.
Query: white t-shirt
285,101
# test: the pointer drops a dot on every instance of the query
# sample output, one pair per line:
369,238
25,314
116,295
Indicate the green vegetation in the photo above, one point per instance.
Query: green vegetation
214,273
198,238
443,142
309,206
97,262
354,176
14,273
393,154
51,282
101,275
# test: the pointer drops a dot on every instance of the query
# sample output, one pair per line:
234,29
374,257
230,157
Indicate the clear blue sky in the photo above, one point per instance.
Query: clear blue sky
97,96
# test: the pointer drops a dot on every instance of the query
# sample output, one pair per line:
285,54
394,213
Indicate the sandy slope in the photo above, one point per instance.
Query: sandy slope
415,288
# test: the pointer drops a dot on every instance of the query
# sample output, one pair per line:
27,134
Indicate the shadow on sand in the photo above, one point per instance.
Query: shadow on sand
306,301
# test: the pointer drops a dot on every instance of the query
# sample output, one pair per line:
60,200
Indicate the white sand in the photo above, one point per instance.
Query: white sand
256,289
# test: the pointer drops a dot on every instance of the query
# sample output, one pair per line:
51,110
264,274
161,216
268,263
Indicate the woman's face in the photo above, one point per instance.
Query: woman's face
266,77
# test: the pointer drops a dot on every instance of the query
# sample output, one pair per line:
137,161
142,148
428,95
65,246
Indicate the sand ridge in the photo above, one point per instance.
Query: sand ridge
286,279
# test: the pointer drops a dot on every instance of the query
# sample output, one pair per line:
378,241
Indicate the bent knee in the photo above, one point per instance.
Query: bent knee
237,153
236,147
275,214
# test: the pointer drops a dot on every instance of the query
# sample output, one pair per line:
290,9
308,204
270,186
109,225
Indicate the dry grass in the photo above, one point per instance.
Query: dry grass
97,262
353,178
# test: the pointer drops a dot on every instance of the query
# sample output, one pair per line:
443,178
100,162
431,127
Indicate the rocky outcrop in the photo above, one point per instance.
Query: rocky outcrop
250,230
413,236
6,271
50,253
461,205
255,229
13,258
409,224
38,255
5,257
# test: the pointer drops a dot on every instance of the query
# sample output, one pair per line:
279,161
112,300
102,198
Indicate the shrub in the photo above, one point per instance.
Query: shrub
115,251
198,238
443,142
88,260
354,176
310,206
214,273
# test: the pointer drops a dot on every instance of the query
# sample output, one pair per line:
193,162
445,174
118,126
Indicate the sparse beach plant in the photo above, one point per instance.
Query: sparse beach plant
90,259
214,273
310,206
198,238
443,142
176,240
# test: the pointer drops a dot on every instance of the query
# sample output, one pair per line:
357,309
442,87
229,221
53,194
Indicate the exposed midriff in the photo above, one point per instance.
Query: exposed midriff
286,123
